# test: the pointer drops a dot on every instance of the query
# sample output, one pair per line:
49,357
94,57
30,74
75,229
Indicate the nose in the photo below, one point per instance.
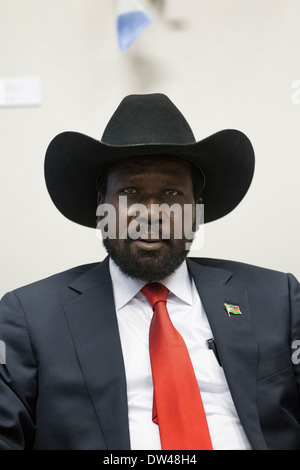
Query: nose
154,209
148,205
147,214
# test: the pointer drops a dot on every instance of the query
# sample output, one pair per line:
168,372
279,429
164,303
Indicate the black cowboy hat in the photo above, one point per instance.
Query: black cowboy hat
146,125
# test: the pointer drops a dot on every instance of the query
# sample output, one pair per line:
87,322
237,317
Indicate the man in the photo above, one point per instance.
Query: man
84,347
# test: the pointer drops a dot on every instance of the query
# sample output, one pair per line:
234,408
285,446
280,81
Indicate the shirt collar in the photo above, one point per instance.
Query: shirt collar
125,288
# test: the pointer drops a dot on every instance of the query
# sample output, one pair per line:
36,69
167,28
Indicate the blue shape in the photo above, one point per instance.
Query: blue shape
129,26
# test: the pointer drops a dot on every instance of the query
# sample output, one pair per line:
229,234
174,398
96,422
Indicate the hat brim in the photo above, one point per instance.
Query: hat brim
74,160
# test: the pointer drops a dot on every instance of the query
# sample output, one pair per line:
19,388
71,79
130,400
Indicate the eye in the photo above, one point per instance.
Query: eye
171,192
129,191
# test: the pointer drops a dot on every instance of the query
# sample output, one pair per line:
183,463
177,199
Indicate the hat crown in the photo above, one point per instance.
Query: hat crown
146,125
147,119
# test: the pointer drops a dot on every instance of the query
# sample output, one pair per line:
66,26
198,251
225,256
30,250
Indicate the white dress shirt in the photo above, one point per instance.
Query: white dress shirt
134,315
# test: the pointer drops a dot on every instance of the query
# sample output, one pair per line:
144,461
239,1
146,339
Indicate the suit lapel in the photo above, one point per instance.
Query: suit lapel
235,341
93,325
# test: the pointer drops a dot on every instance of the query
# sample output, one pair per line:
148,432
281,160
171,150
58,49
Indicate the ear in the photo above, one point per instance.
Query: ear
197,225
100,200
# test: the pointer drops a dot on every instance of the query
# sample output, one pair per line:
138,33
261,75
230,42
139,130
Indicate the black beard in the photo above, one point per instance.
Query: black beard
146,265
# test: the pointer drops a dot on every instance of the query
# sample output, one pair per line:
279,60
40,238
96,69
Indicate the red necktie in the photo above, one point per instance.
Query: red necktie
177,403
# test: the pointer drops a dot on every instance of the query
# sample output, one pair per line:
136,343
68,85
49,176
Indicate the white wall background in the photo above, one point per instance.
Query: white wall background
224,63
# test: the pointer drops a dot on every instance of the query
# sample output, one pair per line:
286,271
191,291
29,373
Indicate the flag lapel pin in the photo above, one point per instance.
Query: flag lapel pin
233,309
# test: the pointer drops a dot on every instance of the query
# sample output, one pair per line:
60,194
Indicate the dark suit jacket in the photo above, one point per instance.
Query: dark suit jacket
63,385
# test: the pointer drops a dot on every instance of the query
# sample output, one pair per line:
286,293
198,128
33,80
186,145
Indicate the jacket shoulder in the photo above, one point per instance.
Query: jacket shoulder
243,270
57,283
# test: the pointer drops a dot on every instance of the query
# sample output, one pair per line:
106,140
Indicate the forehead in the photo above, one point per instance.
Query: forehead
164,165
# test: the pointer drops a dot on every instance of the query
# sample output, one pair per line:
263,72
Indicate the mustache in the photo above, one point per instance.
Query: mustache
144,230
148,230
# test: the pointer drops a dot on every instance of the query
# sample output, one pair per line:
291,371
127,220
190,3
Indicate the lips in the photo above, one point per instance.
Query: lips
149,244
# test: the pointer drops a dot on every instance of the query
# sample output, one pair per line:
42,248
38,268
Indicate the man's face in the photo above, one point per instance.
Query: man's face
150,181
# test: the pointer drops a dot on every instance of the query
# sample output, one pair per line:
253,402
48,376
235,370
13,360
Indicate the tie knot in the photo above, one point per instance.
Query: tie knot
155,292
